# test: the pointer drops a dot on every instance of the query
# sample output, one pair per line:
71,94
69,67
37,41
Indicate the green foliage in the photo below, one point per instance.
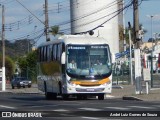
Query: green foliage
55,30
121,35
17,48
28,65
9,66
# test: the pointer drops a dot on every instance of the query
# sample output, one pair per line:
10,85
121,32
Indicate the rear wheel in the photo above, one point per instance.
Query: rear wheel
49,95
12,87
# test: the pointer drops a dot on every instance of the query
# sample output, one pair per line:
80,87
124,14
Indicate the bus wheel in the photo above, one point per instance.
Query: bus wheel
101,97
47,94
12,87
79,97
65,97
54,96
85,97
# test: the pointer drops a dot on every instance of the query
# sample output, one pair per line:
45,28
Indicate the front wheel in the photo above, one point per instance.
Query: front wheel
65,96
101,97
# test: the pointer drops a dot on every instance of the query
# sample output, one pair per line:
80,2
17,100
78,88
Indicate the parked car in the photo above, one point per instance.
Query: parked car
20,82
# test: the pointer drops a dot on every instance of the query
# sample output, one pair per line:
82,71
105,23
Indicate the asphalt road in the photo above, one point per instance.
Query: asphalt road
26,104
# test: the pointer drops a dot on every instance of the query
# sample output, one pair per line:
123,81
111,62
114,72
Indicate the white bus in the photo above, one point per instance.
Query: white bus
88,78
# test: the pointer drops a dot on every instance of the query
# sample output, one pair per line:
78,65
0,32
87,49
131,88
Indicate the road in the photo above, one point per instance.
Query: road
73,108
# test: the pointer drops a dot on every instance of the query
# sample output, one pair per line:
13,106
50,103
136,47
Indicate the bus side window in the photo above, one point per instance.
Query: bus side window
55,51
42,54
48,53
45,53
51,52
39,54
59,49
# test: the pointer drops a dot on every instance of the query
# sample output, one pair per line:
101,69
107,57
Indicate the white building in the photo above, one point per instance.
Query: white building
99,16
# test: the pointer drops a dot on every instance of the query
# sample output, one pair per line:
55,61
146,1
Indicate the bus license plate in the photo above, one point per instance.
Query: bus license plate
90,90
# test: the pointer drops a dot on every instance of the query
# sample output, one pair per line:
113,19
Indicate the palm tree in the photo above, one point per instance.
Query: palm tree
121,35
55,30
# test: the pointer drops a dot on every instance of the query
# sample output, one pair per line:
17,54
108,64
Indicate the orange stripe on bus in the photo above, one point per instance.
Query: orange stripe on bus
82,82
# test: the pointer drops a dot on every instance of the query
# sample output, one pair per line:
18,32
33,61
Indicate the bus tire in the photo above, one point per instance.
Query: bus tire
79,97
54,96
65,96
60,88
47,94
101,97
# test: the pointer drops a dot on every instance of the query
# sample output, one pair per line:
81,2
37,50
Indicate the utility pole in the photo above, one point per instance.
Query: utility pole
136,24
3,51
124,29
137,52
46,21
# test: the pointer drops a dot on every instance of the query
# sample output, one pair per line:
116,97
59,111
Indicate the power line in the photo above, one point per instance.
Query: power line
31,12
117,12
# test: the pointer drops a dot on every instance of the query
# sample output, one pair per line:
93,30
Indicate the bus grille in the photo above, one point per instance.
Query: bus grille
89,89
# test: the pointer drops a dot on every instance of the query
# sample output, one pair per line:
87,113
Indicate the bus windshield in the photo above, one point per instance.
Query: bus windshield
88,60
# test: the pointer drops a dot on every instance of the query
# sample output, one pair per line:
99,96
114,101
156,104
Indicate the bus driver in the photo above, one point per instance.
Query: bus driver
72,65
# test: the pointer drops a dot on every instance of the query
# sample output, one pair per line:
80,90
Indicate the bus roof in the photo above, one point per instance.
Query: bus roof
76,39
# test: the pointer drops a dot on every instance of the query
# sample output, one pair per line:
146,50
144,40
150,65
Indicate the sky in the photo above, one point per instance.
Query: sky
146,9
20,23
26,19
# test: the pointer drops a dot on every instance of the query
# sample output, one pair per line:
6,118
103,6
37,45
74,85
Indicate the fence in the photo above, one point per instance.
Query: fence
121,73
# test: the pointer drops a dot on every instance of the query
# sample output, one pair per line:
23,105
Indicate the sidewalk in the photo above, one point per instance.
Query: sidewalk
31,90
127,92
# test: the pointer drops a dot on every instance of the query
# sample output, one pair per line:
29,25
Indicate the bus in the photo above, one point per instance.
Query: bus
56,77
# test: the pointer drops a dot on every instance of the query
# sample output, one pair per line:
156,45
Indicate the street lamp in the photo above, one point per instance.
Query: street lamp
28,43
152,51
151,16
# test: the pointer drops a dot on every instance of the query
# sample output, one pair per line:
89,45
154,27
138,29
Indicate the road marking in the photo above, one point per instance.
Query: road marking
59,110
118,108
92,118
142,107
3,106
156,105
90,109
110,96
42,106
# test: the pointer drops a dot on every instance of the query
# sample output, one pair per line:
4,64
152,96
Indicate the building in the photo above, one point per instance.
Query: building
97,17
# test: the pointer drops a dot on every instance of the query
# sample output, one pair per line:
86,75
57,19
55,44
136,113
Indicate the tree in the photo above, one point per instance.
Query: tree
55,30
32,64
27,65
9,66
126,36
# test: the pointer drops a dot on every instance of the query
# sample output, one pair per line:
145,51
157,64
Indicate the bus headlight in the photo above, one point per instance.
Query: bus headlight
71,83
107,83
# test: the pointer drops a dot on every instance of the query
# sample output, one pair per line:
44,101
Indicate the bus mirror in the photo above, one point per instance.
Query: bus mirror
113,58
63,58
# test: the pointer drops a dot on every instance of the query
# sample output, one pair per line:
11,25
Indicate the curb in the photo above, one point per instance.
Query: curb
117,87
131,98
